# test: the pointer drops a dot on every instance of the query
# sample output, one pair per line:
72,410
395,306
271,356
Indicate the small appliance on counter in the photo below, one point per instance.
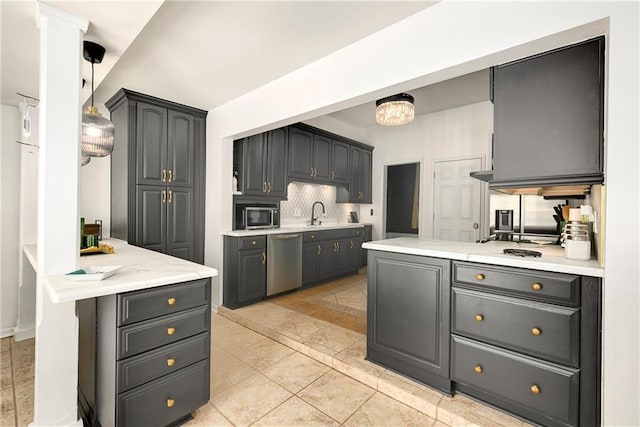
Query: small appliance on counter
504,224
255,216
576,237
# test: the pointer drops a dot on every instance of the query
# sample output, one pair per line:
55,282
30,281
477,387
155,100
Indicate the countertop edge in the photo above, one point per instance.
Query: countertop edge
292,229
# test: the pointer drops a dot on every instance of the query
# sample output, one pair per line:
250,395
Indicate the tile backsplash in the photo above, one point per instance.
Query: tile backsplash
301,196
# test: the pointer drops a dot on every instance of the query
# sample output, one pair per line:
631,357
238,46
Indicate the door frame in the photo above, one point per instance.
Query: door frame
385,166
484,193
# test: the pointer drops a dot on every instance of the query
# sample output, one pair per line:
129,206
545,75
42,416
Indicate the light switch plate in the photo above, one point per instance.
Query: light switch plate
296,212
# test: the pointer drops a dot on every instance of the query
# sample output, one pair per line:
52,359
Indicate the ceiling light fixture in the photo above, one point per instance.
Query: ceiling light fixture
97,132
395,110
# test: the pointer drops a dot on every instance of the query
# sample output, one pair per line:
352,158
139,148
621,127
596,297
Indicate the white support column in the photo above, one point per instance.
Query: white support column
56,358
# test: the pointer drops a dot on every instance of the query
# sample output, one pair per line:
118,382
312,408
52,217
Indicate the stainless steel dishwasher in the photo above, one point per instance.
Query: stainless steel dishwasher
284,262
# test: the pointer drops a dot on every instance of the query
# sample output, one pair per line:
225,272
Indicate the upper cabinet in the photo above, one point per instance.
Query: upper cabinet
261,163
359,189
309,156
548,118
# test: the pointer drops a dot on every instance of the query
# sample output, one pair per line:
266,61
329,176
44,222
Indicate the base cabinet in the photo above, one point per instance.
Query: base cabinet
151,362
408,316
245,270
329,254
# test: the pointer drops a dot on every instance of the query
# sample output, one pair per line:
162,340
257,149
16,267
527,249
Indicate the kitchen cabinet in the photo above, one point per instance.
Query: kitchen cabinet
368,236
158,174
245,270
359,188
329,254
549,118
527,341
262,164
309,156
339,162
408,325
151,361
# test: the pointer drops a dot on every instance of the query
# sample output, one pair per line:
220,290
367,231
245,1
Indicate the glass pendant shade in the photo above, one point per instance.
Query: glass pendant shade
97,134
395,110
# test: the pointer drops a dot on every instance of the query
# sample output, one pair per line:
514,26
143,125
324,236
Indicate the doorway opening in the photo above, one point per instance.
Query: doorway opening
402,205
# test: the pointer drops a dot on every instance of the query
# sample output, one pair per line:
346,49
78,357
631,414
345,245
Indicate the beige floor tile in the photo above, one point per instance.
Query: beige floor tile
264,353
7,407
5,344
460,410
383,411
440,424
5,360
7,419
333,337
415,395
221,326
208,416
25,417
249,400
23,372
227,370
24,398
6,378
351,362
267,313
296,412
336,395
301,326
296,371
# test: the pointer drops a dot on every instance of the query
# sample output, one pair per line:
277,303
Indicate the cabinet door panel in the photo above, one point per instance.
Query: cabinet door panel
355,182
365,176
152,143
255,152
355,253
180,222
339,162
310,263
322,158
300,153
327,259
151,217
277,162
342,256
180,149
252,275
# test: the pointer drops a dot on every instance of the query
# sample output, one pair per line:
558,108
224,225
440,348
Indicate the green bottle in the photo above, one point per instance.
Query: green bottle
82,245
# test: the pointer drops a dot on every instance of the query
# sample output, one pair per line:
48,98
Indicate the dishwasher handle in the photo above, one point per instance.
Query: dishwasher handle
285,236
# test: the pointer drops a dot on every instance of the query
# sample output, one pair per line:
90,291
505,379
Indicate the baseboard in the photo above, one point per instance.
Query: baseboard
7,332
23,334
214,308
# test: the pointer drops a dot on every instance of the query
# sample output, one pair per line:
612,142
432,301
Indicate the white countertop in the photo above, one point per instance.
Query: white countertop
292,228
552,258
141,269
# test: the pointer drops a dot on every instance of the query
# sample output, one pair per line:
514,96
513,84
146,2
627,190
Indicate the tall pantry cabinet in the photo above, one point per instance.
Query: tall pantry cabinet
158,174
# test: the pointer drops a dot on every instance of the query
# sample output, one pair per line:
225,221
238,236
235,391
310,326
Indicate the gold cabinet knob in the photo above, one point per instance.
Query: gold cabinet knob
536,331
535,389
479,277
477,369
171,361
313,236
171,301
479,317
254,243
171,331
536,286
170,403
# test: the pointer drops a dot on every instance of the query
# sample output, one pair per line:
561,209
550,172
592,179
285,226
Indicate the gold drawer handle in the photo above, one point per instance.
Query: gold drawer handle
319,250
164,175
536,331
479,277
479,317
478,369
171,301
170,175
535,389
264,258
170,403
536,286
171,361
171,331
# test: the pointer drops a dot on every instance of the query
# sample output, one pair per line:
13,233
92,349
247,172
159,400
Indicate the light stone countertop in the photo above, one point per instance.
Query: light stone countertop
552,258
292,228
141,269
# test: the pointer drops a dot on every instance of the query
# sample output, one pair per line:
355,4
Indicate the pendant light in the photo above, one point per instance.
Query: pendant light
97,132
395,110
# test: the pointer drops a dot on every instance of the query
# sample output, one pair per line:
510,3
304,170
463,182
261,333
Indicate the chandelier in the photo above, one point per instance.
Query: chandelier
395,110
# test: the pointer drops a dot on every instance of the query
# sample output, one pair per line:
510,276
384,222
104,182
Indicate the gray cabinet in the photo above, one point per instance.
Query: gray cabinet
549,118
329,254
359,188
527,341
309,156
262,164
158,174
368,236
339,162
245,270
151,361
408,316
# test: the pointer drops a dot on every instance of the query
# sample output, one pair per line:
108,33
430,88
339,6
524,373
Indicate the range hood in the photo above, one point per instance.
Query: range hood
569,186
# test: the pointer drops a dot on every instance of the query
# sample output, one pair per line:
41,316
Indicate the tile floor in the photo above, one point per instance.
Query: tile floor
294,360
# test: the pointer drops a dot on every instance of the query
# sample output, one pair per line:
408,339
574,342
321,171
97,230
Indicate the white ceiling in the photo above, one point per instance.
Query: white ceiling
200,53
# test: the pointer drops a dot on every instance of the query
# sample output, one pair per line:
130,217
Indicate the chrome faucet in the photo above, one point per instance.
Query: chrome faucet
313,217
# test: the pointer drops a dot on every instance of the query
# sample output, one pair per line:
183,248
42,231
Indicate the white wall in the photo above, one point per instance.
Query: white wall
9,223
443,135
444,41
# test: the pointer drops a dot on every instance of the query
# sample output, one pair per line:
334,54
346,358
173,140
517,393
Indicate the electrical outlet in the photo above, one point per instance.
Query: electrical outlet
296,212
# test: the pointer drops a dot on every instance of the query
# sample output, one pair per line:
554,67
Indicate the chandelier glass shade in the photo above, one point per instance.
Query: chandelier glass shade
395,110
98,133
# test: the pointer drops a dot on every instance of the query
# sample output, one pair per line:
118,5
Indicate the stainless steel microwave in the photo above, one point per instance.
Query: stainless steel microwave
254,217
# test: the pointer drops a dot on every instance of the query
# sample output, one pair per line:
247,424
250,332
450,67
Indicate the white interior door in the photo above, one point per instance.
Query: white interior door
456,200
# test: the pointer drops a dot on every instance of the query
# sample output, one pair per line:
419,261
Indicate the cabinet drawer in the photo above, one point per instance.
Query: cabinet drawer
166,399
311,237
135,339
544,389
356,232
148,366
543,330
252,242
149,303
541,285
